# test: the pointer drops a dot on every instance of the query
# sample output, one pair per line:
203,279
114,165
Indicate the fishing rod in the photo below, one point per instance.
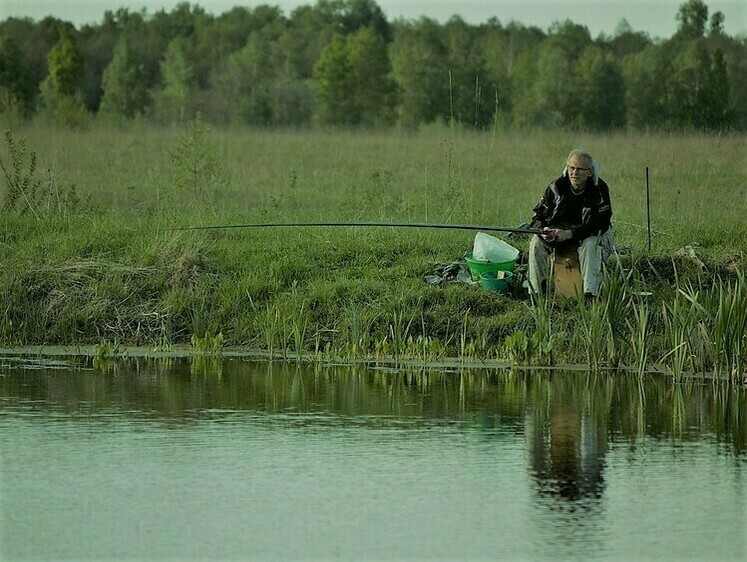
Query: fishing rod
374,224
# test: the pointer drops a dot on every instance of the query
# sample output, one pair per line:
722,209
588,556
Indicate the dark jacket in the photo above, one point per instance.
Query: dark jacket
587,213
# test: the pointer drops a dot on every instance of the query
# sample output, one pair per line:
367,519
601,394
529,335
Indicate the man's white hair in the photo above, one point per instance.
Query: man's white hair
592,163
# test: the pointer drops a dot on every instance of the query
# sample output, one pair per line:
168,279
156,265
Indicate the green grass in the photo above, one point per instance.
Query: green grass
100,267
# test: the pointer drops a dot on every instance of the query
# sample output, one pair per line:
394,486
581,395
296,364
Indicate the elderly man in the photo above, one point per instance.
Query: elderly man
574,211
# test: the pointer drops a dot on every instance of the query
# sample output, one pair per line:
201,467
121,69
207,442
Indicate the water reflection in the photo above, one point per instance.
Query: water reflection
569,443
569,419
418,463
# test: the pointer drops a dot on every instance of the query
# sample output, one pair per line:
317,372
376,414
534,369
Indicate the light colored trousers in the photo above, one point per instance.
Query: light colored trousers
592,252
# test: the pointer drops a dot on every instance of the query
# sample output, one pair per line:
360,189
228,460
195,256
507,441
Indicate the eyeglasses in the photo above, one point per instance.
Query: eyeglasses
572,169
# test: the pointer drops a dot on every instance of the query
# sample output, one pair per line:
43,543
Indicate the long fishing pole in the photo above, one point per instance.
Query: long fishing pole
374,224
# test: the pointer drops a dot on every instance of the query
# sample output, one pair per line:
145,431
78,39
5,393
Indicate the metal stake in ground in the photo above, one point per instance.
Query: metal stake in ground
648,209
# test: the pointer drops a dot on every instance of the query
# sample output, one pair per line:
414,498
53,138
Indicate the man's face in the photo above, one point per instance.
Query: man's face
579,170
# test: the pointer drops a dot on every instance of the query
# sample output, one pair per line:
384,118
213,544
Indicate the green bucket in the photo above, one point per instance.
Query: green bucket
478,267
496,281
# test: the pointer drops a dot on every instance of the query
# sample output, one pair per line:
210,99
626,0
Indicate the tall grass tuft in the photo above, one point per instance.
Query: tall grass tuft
639,330
518,348
21,185
544,337
199,173
723,325
299,326
399,331
269,321
680,314
26,194
617,304
592,318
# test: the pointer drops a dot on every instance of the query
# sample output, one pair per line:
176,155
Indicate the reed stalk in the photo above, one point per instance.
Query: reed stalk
299,326
723,325
679,319
463,337
544,336
639,330
617,308
592,319
270,324
399,330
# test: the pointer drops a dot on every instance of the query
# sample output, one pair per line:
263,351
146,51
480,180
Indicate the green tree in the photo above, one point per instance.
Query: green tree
238,86
97,43
510,63
626,41
125,81
523,90
218,38
258,79
62,89
494,48
293,99
719,111
571,37
353,81
717,24
690,88
547,92
313,30
692,17
374,95
735,58
14,85
358,14
65,67
468,78
599,90
335,83
262,84
175,100
556,102
420,72
646,98
34,40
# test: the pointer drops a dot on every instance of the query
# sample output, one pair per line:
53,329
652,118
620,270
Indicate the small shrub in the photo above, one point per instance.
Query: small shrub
198,170
19,175
26,194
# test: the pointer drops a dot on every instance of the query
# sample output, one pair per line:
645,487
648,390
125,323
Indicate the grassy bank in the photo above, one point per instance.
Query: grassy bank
86,260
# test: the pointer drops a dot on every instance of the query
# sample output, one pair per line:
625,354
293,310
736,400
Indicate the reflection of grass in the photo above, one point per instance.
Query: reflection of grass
627,406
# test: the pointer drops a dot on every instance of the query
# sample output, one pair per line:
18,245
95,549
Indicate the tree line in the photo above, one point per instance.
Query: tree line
342,63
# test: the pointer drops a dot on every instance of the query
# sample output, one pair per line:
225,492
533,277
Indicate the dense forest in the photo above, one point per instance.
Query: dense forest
341,63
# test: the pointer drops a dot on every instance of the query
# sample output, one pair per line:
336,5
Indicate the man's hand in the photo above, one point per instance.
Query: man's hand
556,234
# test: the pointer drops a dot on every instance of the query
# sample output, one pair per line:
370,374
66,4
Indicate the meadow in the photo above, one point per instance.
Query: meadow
89,254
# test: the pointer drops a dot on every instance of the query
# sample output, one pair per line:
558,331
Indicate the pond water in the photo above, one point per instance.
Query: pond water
235,459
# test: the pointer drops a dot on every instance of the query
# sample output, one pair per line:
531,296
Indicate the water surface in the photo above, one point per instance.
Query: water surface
229,459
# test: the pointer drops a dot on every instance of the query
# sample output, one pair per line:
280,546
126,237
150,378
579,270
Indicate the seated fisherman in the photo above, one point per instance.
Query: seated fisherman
574,211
